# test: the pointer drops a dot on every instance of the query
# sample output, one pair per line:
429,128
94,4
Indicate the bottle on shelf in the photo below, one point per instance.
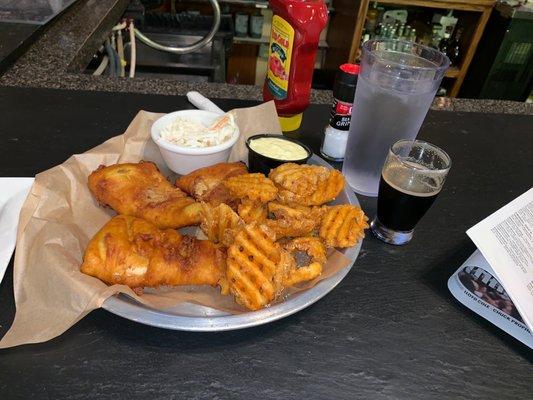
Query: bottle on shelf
454,53
397,30
444,45
412,35
379,29
393,31
372,18
387,31
407,31
401,32
435,36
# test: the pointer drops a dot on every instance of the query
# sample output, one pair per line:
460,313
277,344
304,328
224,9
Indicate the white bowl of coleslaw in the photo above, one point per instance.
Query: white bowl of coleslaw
191,139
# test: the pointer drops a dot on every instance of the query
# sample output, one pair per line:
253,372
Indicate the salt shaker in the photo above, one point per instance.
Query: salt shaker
336,132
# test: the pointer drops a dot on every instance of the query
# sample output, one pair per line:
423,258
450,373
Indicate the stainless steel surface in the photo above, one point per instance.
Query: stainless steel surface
37,12
186,49
208,62
192,317
148,56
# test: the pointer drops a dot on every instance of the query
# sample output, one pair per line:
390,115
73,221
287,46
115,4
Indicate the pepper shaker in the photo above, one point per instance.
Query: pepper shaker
336,132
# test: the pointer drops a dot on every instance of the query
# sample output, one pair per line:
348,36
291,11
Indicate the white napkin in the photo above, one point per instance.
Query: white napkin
13,192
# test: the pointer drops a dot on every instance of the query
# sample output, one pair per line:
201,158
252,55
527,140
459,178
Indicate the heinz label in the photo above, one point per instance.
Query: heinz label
279,57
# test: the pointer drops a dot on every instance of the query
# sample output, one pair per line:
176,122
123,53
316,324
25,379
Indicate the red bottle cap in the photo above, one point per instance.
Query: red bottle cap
345,82
350,68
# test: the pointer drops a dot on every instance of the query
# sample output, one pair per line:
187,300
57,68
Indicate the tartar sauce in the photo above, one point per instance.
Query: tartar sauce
279,149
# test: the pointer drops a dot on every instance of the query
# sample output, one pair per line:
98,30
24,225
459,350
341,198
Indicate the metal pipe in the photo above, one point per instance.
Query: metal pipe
187,49
120,51
101,68
111,55
133,52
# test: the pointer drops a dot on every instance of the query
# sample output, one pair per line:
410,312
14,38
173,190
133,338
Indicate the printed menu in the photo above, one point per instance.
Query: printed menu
505,239
475,285
499,275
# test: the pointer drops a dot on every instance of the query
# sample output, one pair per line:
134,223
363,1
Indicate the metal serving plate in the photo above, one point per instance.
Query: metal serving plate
193,317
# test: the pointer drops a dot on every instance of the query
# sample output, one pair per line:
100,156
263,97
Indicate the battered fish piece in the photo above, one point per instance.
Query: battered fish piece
134,252
206,184
140,190
256,187
253,267
343,225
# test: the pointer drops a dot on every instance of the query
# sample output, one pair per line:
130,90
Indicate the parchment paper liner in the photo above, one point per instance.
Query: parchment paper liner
60,216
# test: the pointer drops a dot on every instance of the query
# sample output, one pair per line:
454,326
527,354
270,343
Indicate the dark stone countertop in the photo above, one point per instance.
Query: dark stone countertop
14,39
67,44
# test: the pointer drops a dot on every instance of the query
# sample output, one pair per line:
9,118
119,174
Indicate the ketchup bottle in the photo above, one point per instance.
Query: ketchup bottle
296,27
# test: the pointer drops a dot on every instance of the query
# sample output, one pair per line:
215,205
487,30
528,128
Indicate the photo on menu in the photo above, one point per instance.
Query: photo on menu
482,284
476,286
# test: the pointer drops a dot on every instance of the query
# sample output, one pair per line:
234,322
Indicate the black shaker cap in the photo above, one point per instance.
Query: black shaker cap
345,82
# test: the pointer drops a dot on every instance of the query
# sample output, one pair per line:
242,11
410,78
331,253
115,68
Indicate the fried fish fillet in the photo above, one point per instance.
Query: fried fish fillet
140,190
308,255
256,187
134,252
343,225
206,184
220,223
253,267
321,185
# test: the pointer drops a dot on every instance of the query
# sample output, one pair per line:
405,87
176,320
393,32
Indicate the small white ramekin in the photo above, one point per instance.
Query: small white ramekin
183,160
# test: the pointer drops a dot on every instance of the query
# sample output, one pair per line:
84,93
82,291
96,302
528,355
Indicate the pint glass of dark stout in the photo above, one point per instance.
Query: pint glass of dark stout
412,177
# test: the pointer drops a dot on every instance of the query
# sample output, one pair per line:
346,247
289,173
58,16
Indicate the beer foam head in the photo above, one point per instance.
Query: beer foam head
417,168
413,180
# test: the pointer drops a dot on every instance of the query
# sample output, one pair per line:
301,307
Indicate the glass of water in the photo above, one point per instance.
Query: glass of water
395,88
411,179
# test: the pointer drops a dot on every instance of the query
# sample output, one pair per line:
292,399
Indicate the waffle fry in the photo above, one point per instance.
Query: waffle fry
255,187
293,220
299,179
313,251
253,267
284,228
296,211
343,225
220,223
252,211
325,191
